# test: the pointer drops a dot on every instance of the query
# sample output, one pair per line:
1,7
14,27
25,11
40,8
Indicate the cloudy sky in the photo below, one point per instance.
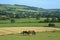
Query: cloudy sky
47,4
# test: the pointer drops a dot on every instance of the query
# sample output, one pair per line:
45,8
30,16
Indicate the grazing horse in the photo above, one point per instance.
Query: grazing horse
33,32
25,32
28,32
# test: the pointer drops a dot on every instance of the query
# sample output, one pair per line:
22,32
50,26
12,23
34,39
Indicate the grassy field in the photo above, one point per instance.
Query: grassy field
23,25
27,25
24,22
39,36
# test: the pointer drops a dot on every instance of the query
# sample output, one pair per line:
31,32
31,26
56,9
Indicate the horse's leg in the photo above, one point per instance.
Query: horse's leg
33,32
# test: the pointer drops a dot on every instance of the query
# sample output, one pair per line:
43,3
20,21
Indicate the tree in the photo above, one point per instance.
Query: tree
54,19
58,19
17,16
47,20
38,16
51,25
12,21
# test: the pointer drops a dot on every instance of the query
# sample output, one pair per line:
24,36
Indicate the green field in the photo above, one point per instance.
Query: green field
39,36
25,22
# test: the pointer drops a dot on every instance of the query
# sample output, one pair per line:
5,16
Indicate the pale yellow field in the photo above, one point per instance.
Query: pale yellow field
14,30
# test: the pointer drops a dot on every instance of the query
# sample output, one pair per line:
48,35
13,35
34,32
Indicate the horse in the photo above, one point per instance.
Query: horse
28,32
25,32
32,32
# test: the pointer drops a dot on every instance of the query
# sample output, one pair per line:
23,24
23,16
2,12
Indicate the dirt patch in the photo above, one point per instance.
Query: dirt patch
14,30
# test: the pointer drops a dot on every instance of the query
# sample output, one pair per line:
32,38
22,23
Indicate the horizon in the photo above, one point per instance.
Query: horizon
46,4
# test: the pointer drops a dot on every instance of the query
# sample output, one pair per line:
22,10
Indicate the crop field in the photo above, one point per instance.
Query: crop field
14,30
42,33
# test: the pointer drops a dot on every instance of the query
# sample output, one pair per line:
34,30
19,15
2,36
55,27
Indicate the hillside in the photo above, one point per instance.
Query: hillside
26,11
8,7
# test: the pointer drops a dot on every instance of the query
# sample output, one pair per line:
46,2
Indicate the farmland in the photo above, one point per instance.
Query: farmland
16,18
39,36
25,22
26,16
42,33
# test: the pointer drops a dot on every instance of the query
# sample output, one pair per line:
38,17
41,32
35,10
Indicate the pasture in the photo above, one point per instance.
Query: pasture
25,22
11,31
39,36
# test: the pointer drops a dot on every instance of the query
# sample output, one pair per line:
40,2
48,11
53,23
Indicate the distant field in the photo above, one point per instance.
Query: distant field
27,25
25,22
38,36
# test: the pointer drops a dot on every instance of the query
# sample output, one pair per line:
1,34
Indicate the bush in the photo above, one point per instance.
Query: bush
51,25
12,21
3,18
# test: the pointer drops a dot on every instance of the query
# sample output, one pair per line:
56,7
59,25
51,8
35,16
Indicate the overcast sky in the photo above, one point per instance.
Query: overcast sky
47,4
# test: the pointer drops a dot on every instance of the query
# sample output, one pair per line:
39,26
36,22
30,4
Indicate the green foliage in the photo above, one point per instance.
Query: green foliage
54,19
4,17
47,20
27,11
51,25
26,22
38,16
58,19
30,14
12,21
17,16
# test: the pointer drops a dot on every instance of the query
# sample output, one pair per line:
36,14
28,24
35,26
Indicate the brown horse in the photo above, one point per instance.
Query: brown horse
28,32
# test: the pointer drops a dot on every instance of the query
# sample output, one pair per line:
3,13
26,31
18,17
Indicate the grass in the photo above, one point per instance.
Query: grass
16,8
39,36
25,22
